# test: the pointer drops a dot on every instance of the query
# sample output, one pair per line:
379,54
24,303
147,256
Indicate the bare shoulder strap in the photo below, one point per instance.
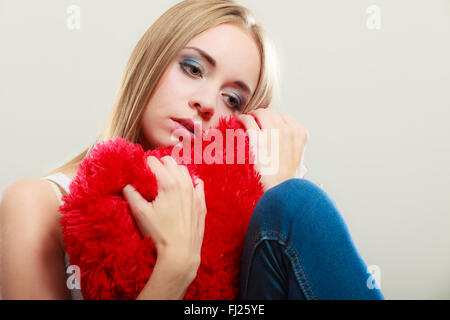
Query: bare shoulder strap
55,180
58,179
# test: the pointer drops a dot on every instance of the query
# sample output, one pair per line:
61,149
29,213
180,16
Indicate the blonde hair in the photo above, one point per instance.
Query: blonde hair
159,46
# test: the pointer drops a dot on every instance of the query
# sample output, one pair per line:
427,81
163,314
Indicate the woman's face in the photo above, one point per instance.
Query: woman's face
214,75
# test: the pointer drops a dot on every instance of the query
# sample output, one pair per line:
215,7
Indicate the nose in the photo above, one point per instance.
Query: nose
206,111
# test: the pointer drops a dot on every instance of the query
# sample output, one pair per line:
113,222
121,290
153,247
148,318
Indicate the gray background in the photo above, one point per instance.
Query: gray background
376,103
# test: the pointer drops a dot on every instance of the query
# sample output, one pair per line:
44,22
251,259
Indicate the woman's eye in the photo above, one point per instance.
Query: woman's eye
234,102
191,69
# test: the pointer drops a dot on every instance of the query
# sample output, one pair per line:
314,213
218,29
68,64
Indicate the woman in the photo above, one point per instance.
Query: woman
200,60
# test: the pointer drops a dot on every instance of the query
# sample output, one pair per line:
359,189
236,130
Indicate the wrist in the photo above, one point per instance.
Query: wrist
166,281
178,265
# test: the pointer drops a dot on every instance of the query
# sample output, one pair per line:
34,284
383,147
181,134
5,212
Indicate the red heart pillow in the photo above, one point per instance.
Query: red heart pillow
102,238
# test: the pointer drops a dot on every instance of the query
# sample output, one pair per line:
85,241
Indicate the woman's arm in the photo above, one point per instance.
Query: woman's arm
31,256
169,280
175,220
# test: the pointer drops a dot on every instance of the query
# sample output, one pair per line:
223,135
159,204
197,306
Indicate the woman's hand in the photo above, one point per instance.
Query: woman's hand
284,154
175,219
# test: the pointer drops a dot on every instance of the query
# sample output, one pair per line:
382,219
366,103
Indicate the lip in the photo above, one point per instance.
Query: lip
181,123
185,122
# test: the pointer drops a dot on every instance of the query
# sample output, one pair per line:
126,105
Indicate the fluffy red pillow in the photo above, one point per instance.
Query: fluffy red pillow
102,238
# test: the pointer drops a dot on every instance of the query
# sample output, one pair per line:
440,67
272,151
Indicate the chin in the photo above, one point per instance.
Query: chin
166,143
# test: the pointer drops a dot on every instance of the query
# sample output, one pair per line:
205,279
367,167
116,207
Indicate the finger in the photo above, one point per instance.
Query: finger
252,129
137,203
169,161
290,121
170,167
200,191
269,121
201,198
177,172
163,179
249,122
186,175
154,164
268,118
301,137
286,119
292,129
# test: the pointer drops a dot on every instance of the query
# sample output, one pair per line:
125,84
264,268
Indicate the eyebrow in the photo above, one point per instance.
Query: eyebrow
212,62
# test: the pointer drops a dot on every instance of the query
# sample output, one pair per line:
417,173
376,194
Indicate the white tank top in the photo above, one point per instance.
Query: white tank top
63,181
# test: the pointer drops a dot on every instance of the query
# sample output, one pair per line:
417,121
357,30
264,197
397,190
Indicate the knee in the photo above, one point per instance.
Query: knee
295,203
301,187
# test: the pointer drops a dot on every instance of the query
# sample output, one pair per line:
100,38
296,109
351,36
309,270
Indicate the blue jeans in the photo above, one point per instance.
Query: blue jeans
298,246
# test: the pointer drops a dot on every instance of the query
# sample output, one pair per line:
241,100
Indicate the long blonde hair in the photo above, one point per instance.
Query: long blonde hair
159,46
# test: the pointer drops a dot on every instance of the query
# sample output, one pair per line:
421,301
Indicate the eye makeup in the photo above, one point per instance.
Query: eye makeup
194,68
189,64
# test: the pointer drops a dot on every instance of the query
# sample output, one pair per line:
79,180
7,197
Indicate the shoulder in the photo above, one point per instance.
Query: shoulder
29,192
29,206
30,238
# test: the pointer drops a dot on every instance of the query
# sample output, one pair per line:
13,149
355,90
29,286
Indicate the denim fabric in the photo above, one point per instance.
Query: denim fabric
298,246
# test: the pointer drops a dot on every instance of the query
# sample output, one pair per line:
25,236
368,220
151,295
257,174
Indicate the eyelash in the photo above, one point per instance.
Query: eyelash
185,65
